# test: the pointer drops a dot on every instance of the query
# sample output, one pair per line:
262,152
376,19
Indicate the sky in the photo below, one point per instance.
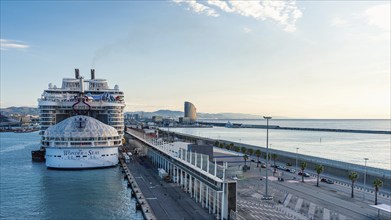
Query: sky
296,59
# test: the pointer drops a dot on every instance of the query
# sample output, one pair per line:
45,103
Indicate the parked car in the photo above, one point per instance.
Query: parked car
329,181
305,174
291,170
263,165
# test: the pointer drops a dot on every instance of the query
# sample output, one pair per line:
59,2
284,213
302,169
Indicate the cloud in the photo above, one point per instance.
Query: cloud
379,16
286,13
339,22
198,7
6,44
247,30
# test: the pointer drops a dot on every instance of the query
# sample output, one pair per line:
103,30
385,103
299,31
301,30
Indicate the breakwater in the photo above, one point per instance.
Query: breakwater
238,125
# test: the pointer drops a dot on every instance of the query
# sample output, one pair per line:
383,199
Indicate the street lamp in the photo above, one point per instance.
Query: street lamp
365,177
297,151
267,151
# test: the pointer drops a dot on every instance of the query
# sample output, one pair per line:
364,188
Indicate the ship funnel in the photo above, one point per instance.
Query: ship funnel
92,73
81,84
77,74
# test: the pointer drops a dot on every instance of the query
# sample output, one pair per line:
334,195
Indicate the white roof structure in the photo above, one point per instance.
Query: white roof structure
80,126
383,207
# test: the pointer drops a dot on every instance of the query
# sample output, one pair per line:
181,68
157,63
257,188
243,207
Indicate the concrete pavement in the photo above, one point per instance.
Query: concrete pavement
325,202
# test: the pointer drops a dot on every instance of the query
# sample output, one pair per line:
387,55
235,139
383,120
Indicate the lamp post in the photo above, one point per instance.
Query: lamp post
267,152
297,151
365,176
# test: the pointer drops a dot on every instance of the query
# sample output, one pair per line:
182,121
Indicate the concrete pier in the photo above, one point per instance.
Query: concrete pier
142,203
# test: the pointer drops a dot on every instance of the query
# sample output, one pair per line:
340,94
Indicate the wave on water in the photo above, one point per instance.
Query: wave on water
16,147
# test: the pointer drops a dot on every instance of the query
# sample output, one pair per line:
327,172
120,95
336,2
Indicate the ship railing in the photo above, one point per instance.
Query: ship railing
74,100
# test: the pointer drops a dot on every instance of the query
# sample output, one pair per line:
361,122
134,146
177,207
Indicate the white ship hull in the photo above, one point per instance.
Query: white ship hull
81,158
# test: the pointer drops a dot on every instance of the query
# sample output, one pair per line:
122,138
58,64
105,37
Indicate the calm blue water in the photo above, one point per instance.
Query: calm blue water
347,147
30,191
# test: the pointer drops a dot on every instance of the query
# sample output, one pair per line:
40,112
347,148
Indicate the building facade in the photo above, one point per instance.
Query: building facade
190,111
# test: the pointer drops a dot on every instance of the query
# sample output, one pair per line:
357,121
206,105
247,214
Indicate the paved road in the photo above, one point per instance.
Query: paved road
330,201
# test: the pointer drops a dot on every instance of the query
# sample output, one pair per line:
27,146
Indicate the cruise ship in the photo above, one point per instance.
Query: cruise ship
77,96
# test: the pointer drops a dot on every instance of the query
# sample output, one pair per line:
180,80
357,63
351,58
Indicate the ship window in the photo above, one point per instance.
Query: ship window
58,156
103,155
84,155
77,156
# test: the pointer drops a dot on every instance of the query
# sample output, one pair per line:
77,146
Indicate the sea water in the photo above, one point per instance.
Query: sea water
341,146
28,190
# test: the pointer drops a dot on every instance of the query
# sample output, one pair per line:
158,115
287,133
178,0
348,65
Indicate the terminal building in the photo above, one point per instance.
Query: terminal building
190,112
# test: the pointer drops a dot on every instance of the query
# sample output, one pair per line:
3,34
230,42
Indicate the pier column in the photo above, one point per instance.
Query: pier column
191,154
201,162
195,159
186,183
215,203
182,179
201,191
207,164
207,199
215,168
190,186
195,189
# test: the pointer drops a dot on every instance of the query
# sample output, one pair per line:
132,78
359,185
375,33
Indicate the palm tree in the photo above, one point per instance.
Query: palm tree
228,147
274,157
353,176
258,154
221,145
243,149
245,157
319,169
303,166
237,149
217,144
377,183
250,151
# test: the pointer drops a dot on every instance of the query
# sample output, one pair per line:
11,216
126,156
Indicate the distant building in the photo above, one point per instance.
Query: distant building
157,119
184,120
190,111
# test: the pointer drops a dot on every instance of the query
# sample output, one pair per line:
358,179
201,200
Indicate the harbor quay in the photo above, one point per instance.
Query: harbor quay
290,197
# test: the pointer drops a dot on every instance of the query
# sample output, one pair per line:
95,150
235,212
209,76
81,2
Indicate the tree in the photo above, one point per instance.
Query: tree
274,157
244,150
237,149
319,169
245,157
250,151
231,146
377,183
217,144
221,145
353,176
303,165
228,147
258,154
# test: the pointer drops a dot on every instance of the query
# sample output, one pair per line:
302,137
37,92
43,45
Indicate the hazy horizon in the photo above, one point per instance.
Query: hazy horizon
296,59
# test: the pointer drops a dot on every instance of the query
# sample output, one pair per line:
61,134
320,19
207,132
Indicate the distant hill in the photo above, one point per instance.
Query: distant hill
19,110
164,113
177,114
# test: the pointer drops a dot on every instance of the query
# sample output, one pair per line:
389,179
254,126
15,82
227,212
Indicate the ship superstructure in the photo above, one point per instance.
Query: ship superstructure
79,96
